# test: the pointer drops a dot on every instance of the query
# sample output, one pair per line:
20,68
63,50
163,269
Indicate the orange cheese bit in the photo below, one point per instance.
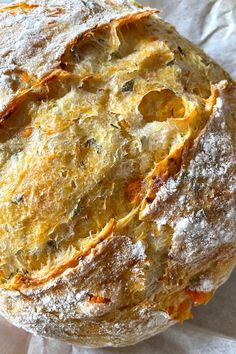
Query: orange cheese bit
171,310
133,189
182,312
199,297
22,6
93,299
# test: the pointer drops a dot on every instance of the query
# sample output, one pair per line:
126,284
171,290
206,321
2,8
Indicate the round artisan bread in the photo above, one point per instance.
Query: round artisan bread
117,171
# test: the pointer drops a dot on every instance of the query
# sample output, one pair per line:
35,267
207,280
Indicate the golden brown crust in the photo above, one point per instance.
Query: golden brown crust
117,174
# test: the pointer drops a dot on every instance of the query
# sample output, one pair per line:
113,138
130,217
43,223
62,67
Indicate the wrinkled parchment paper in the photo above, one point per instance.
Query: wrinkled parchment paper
212,25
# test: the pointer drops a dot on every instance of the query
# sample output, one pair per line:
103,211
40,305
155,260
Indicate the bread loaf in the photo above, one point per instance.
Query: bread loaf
117,171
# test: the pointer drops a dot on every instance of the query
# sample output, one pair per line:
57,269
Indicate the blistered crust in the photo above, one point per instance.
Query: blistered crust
117,174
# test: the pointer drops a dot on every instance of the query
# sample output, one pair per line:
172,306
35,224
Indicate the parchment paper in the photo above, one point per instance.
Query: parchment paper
212,25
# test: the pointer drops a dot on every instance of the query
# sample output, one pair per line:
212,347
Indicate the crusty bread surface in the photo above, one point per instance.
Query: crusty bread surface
117,171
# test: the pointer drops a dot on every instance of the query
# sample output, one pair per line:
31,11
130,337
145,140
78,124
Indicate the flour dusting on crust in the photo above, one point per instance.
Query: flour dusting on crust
65,300
190,202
